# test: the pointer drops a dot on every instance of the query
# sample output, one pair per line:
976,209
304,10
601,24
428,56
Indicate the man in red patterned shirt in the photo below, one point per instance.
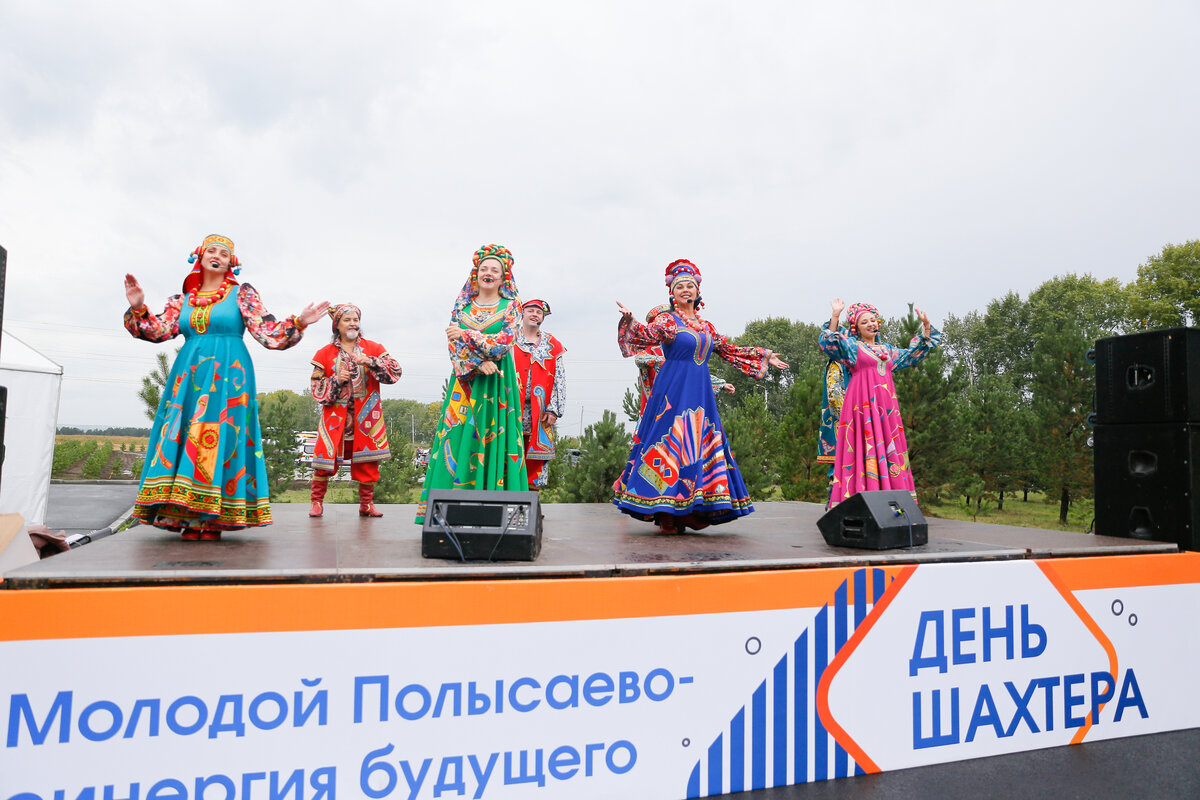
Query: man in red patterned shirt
345,381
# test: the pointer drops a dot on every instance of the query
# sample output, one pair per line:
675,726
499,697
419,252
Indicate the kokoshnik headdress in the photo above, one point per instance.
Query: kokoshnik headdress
193,279
508,284
857,310
679,270
661,308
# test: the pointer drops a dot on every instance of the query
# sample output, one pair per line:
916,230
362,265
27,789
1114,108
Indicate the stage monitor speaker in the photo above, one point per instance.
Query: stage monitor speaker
466,525
1147,482
1149,377
878,520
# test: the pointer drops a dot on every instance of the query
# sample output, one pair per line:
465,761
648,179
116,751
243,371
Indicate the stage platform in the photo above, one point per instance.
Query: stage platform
579,540
327,653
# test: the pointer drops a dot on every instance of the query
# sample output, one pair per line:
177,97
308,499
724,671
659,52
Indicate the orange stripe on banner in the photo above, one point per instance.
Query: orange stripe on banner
155,611
1109,572
1051,573
831,725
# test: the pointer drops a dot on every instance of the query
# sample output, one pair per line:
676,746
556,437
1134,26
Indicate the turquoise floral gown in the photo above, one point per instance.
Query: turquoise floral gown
204,467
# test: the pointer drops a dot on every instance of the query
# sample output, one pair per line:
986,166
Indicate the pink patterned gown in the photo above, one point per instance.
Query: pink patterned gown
872,453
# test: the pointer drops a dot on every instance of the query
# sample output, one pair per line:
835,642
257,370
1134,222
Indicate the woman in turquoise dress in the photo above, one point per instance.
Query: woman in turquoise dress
681,471
204,471
479,442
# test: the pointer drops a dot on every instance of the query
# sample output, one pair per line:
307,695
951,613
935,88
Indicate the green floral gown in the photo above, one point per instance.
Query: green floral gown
479,443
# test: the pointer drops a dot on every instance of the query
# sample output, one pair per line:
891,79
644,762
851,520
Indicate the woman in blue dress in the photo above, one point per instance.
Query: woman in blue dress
681,472
204,471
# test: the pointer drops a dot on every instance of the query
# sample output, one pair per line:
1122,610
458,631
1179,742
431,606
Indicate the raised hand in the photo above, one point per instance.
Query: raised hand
837,306
313,312
921,315
134,293
626,314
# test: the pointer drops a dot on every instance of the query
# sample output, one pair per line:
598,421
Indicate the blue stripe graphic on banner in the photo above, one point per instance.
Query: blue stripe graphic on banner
758,732
804,664
779,731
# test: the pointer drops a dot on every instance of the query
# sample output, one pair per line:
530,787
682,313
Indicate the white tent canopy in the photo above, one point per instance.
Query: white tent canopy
31,420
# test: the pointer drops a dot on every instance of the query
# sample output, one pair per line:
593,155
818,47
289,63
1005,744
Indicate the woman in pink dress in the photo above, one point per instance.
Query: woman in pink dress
871,453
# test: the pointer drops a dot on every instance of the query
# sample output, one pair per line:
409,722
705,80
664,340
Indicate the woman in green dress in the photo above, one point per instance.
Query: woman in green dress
478,443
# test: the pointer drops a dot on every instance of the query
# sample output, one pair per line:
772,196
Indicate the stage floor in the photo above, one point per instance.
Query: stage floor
578,540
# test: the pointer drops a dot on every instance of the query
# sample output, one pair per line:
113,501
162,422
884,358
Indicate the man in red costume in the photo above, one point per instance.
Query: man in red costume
345,381
542,385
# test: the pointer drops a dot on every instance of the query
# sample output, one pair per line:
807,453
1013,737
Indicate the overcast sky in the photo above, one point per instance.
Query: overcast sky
942,153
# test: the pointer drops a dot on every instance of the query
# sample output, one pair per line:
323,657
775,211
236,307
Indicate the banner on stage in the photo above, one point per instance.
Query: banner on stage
657,687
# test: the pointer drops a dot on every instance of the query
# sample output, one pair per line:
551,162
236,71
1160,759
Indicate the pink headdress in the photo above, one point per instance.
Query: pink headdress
857,310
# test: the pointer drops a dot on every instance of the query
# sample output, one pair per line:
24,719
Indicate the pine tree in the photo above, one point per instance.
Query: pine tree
801,477
153,384
751,433
605,447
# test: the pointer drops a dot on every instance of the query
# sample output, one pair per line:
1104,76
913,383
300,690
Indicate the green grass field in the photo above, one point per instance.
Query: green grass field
1036,513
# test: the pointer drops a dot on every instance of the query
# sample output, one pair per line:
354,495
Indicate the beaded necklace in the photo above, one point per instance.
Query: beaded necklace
878,351
202,303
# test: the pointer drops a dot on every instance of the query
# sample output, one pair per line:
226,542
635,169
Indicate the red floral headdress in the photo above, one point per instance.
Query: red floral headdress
192,281
678,270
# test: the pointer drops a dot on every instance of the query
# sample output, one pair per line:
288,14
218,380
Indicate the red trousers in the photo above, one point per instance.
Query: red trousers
363,473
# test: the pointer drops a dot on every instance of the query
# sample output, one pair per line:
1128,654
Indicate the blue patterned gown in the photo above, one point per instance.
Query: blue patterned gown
204,464
681,463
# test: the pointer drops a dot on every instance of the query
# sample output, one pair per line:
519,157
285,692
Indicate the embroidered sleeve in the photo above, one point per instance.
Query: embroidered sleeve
838,346
633,336
385,368
270,332
918,349
326,390
558,394
750,360
648,358
144,325
717,383
474,347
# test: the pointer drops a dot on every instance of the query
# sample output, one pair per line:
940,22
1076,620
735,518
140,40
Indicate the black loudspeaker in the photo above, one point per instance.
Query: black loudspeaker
875,520
464,524
1147,482
3,415
1149,377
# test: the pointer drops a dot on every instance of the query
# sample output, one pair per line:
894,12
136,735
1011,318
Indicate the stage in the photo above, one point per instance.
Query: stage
580,540
318,657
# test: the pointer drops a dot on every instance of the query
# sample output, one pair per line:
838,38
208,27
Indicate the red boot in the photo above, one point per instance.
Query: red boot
366,501
319,488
